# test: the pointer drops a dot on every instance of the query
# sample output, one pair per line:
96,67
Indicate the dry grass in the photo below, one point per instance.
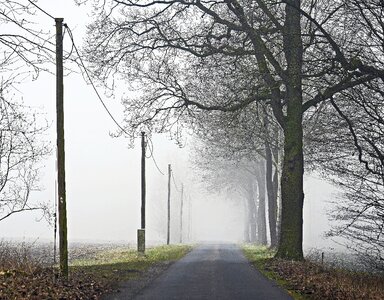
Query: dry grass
317,282
18,257
43,283
23,275
308,280
26,274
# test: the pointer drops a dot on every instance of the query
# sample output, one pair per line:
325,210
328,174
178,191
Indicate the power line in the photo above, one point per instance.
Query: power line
149,147
42,10
152,156
70,52
174,182
74,47
91,82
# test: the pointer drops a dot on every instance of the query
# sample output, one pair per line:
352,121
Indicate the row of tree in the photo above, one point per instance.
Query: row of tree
237,159
299,62
288,74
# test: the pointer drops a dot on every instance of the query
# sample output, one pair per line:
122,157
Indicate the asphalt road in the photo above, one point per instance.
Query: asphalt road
212,272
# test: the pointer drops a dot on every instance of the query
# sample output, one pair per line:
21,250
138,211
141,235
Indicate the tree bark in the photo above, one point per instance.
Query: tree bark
252,213
261,217
246,223
291,239
275,186
272,196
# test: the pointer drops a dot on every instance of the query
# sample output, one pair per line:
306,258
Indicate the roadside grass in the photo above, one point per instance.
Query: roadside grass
122,264
260,257
308,280
24,277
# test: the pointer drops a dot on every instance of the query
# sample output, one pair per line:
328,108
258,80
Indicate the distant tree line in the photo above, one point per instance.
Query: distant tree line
238,153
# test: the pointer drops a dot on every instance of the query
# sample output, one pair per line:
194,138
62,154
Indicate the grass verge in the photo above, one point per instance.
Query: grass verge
123,264
89,278
307,280
260,257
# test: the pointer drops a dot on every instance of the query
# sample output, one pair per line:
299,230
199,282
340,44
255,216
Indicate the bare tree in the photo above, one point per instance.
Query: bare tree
21,151
238,178
25,48
25,52
348,150
347,133
245,136
292,56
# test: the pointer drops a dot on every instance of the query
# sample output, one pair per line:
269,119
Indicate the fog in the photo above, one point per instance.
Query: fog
103,192
103,175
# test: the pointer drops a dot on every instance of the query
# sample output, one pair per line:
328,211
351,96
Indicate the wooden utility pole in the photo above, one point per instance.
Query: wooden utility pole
143,180
169,204
62,205
141,232
55,223
181,213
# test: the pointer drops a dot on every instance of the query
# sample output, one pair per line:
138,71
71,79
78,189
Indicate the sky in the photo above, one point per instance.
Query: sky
103,173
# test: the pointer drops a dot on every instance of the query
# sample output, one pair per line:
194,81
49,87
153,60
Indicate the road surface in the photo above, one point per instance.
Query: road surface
211,272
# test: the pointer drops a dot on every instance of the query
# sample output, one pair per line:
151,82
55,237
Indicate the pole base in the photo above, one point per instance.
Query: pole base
141,240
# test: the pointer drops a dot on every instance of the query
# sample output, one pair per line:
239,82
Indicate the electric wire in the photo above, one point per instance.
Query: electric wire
91,81
47,41
74,47
42,10
70,52
174,182
150,147
147,145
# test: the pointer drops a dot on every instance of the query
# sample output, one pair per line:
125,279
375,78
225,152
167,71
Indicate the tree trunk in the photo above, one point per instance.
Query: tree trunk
275,186
272,196
252,221
252,213
261,218
246,223
291,240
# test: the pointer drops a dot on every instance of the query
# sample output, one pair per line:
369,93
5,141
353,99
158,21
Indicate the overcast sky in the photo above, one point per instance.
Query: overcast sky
103,174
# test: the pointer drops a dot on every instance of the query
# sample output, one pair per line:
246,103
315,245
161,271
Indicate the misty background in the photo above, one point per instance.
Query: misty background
103,173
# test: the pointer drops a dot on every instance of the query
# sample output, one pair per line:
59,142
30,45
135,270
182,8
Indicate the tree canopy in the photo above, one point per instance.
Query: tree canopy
292,56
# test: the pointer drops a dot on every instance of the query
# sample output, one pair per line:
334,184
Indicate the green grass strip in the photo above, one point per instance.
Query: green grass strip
122,264
259,256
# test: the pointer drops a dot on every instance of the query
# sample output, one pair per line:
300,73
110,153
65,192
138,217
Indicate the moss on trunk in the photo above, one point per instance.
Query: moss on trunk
291,239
